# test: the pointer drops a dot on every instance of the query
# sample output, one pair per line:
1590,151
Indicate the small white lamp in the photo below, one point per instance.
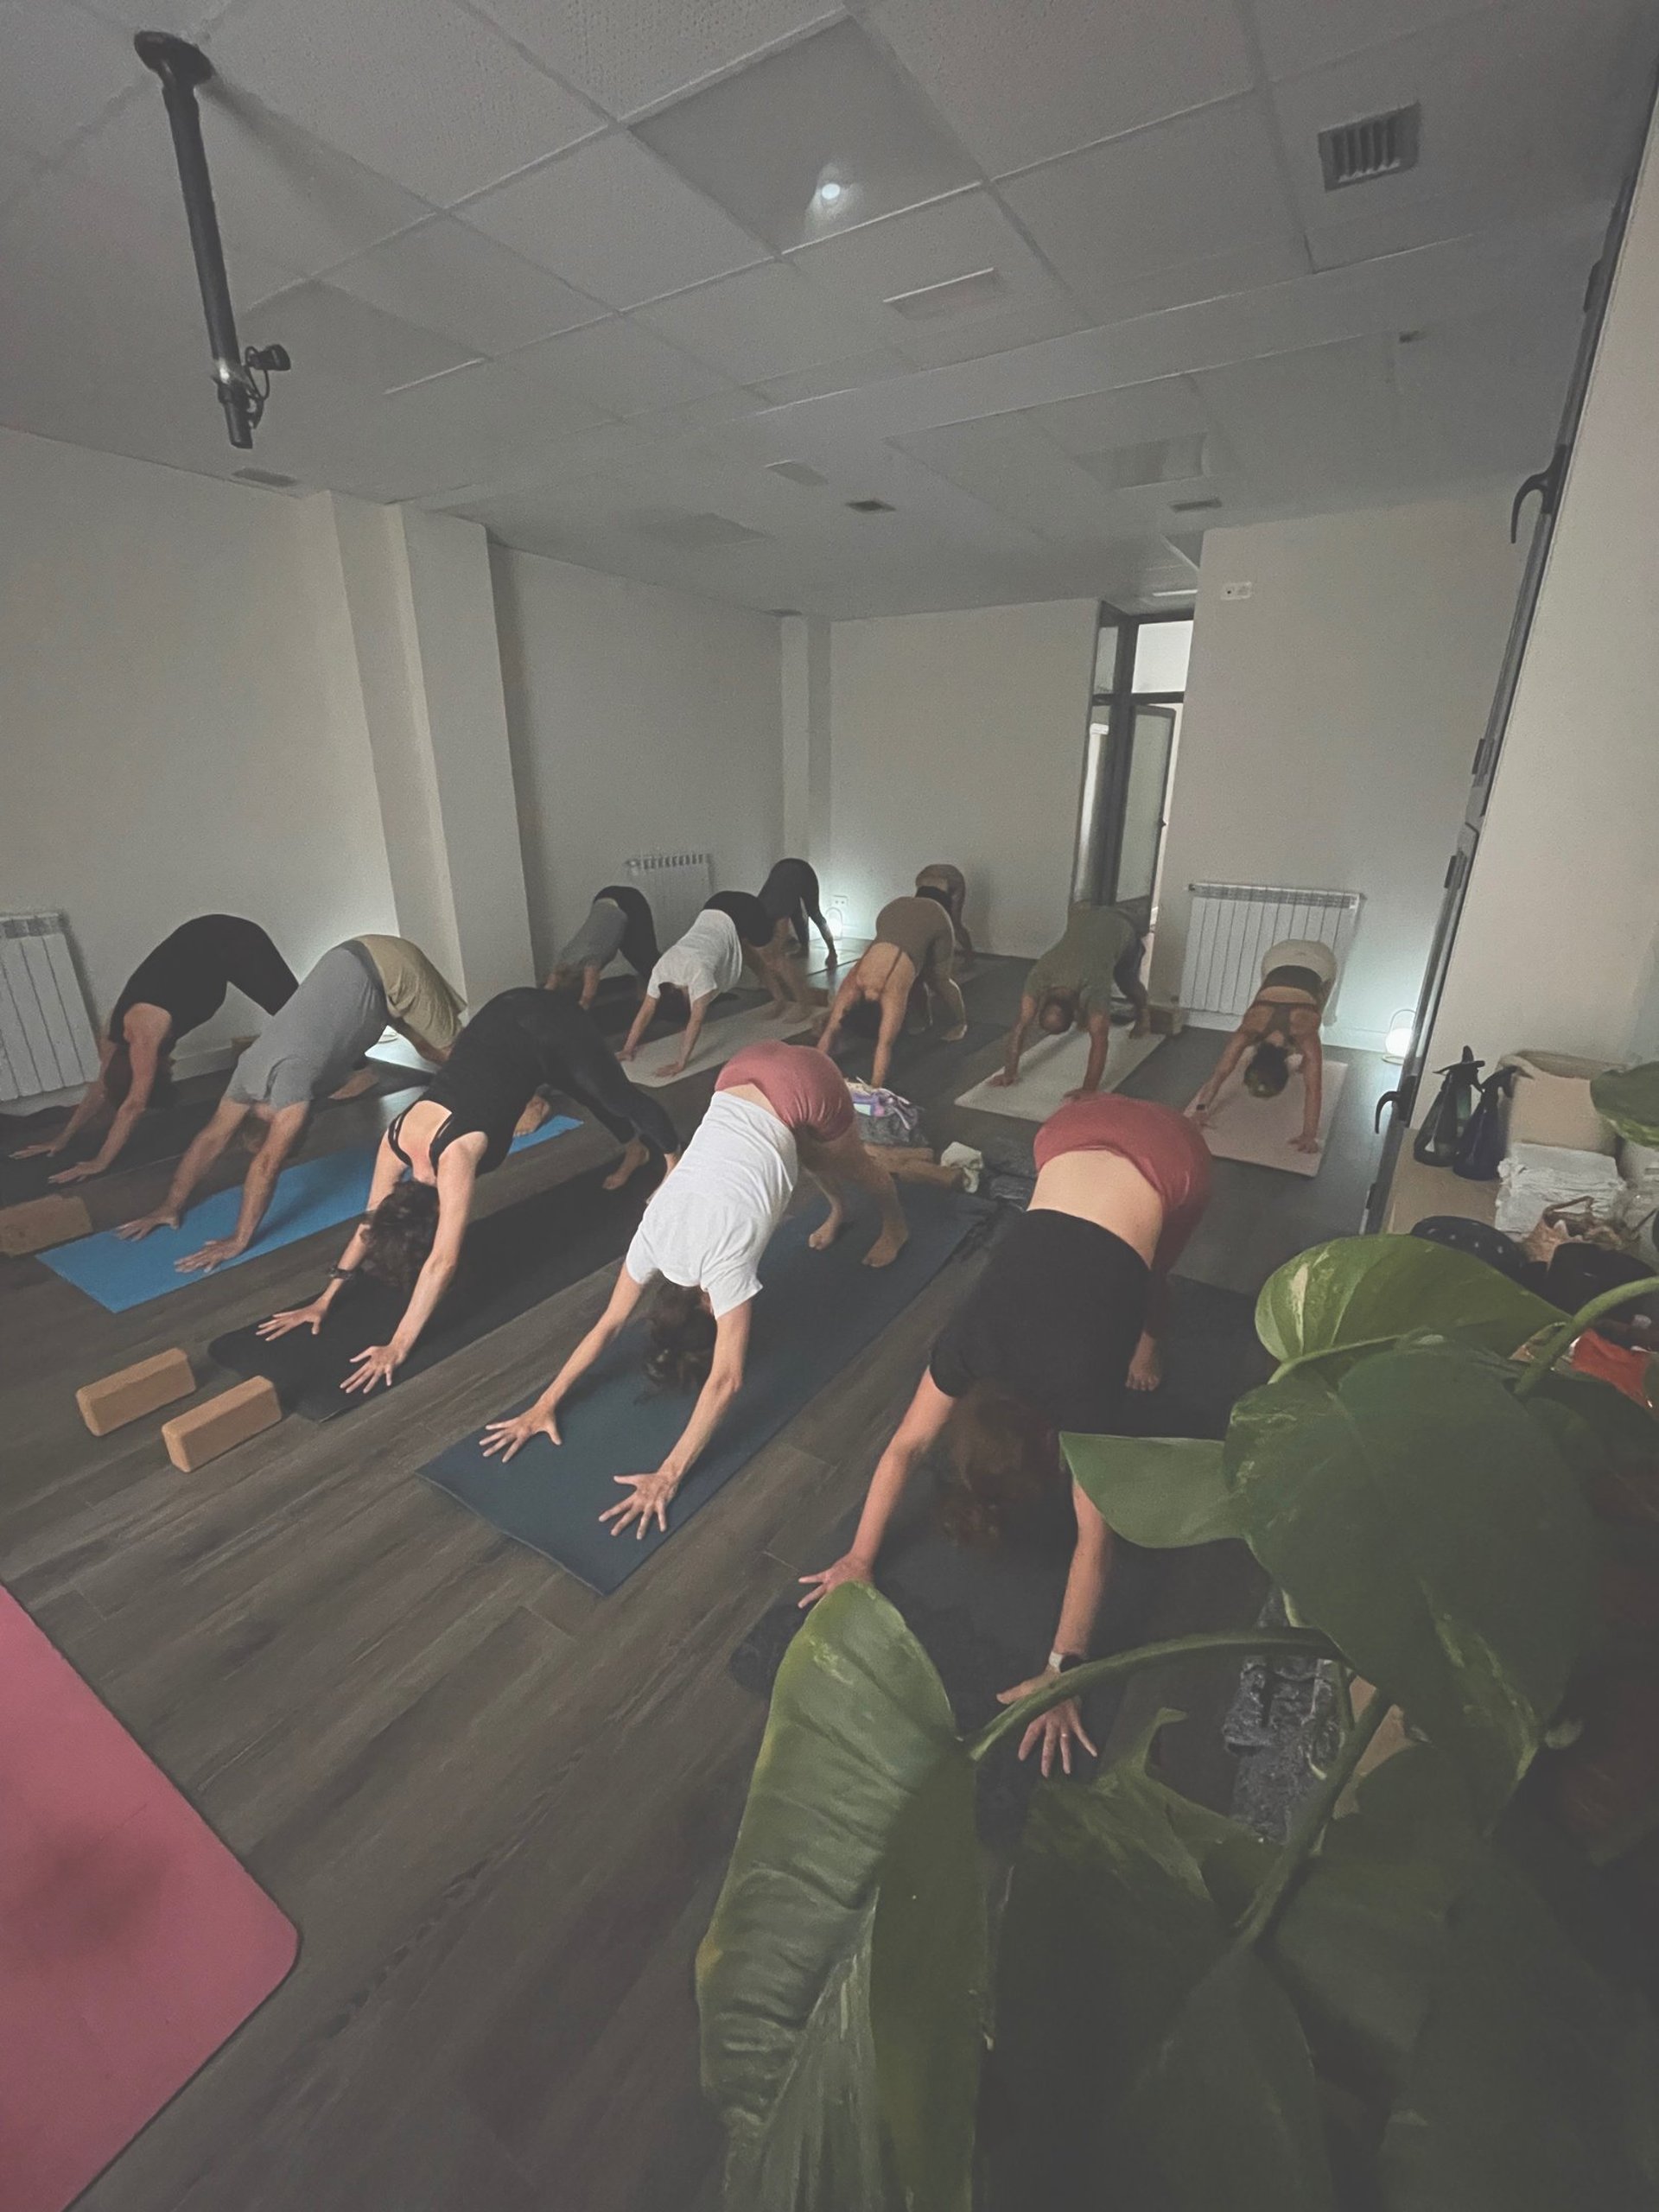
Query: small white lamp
1401,1029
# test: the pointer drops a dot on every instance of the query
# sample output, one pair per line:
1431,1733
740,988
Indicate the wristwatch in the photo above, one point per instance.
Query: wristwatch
1062,1662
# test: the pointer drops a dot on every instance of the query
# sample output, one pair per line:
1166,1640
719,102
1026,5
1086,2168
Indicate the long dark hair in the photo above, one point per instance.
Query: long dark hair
1268,1071
399,1234
681,1333
1004,1460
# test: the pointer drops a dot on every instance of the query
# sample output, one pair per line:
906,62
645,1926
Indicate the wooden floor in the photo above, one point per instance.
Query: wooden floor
497,1807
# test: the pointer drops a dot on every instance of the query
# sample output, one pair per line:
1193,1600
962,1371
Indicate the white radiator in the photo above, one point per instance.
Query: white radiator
1231,926
46,1038
677,886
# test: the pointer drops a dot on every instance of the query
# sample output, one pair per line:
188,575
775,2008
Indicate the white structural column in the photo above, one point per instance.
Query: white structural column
406,622
1555,947
806,664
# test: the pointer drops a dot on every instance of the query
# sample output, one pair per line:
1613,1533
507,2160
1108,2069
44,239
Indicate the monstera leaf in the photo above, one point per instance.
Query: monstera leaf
1420,1516
1163,1491
1359,1295
842,1982
1628,1098
1140,2060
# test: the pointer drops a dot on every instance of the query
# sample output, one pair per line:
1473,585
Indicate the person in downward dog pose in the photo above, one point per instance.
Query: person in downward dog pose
912,949
791,895
734,927
1071,986
943,880
516,1046
1282,1020
778,1109
173,990
1065,1316
309,1051
619,921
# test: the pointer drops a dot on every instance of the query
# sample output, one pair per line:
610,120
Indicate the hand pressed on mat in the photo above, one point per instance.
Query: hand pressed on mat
648,1495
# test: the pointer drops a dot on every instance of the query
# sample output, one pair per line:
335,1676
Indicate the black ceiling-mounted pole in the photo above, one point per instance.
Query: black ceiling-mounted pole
181,68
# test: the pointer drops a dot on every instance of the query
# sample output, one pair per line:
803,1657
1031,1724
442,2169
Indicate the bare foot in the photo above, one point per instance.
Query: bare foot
634,1156
955,1036
886,1247
826,1233
1146,1369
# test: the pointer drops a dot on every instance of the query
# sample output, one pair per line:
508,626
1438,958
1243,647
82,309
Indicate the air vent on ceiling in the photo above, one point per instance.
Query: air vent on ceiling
797,471
691,533
1192,507
266,476
1377,145
871,507
954,296
785,614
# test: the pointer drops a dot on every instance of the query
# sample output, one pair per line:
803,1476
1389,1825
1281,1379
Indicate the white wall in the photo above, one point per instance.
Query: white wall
639,718
1331,719
960,737
171,747
1556,945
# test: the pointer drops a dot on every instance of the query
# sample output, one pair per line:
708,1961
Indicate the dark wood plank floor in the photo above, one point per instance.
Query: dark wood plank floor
497,1807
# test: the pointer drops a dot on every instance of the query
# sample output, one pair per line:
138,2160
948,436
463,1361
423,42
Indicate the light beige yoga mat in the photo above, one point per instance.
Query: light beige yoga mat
1051,1067
719,1040
1260,1130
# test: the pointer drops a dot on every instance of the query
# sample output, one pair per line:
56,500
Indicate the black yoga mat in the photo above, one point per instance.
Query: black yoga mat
511,1260
816,1312
162,1135
986,1619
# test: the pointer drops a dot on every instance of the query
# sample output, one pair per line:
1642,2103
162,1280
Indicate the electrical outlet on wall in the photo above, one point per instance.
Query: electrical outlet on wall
1234,591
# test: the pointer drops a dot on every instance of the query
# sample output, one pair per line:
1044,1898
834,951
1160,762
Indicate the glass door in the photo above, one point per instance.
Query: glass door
1129,755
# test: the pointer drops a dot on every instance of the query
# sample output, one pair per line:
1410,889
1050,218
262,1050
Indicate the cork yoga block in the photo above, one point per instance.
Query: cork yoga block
134,1391
38,1224
202,1433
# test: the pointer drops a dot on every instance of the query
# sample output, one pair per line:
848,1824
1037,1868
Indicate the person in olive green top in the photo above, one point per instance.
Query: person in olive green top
1072,984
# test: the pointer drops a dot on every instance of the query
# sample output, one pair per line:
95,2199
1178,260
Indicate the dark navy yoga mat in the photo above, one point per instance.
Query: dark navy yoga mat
316,1194
816,1311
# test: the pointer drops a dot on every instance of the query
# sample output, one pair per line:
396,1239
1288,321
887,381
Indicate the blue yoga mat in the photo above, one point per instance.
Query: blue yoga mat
816,1312
316,1194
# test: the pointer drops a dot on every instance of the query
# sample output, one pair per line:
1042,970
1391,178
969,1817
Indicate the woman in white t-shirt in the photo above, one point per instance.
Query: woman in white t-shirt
709,959
777,1109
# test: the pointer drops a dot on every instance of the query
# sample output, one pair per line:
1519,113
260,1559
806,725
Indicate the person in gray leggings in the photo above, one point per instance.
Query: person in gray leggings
619,921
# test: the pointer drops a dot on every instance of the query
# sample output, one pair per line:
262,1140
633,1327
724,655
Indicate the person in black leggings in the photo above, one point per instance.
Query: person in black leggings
173,990
619,921
790,896
516,1046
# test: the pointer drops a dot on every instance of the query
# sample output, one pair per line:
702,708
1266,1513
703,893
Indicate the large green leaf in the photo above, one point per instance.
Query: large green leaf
1138,2065
843,2077
1362,1941
1357,1294
1628,1098
1165,1492
1422,1519
1534,2084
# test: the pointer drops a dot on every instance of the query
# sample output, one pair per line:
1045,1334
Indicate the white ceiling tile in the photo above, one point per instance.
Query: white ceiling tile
1021,80
964,235
481,421
1301,34
833,108
629,54
1247,269
426,94
61,69
1013,467
1133,414
834,376
450,278
1523,108
766,323
622,367
1293,419
184,18
347,338
16,167
1202,185
613,219
279,192
1483,395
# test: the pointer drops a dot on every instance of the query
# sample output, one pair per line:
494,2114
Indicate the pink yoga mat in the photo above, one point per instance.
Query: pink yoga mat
132,1944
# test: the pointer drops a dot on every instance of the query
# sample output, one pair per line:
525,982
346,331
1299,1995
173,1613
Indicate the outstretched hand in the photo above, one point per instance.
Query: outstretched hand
374,1363
79,1174
161,1218
297,1317
213,1254
647,1500
504,1439
1305,1144
1055,1731
845,1569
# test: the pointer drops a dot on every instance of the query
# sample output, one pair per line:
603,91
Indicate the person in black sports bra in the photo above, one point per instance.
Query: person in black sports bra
173,990
1282,1026
517,1044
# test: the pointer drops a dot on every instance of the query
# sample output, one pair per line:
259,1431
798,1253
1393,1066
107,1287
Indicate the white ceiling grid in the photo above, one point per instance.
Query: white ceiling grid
558,265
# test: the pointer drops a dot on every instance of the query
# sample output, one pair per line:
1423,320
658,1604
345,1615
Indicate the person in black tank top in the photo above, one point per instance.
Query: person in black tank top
517,1044
173,990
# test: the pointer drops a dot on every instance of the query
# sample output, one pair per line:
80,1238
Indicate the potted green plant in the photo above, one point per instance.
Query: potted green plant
1410,2006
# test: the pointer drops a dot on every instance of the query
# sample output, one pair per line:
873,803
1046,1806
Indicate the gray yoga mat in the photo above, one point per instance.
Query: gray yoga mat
816,1312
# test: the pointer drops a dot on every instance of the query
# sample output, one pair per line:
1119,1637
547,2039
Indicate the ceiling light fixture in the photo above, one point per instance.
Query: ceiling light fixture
1186,591
829,191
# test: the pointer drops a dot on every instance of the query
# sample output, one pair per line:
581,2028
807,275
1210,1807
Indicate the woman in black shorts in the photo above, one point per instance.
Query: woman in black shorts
791,897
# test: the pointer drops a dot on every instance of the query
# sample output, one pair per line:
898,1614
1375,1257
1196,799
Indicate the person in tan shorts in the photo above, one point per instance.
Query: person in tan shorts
948,882
913,948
